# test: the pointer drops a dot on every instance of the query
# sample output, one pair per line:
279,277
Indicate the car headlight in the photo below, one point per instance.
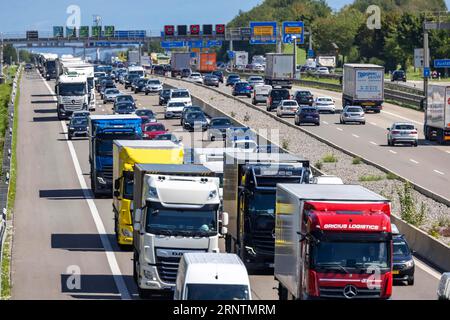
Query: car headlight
410,263
71,128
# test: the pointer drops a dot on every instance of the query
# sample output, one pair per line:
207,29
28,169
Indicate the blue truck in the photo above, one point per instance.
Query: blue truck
104,129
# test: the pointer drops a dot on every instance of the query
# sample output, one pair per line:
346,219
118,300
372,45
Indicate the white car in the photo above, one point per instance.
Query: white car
322,70
173,109
402,132
258,67
255,80
110,95
181,95
287,108
153,86
195,77
325,104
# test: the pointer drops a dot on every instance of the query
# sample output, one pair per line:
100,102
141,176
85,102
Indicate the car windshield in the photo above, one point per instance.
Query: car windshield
207,291
155,128
79,122
280,94
72,89
220,122
128,185
165,93
309,110
124,107
192,109
233,77
125,98
343,254
401,248
404,127
195,75
289,103
180,94
168,221
304,93
325,100
354,110
167,137
176,104
262,203
196,116
154,82
255,79
147,113
114,91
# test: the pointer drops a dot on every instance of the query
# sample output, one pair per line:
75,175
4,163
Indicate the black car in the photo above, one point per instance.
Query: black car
129,80
124,98
276,95
185,73
78,126
398,75
218,128
139,85
307,114
124,108
195,120
164,96
404,265
186,110
159,70
304,97
218,74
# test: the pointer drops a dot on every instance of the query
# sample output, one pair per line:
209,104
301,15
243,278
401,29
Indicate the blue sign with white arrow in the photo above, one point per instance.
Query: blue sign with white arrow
292,29
213,43
442,63
172,44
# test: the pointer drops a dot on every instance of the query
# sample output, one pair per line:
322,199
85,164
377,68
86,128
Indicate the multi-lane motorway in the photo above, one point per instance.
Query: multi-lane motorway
61,231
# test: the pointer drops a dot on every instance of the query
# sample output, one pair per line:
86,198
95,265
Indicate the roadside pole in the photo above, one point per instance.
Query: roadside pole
426,65
2,79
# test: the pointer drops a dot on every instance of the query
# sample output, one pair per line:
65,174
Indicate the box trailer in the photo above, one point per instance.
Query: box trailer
437,114
279,69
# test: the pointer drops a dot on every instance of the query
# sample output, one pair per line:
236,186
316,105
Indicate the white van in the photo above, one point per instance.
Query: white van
261,93
212,276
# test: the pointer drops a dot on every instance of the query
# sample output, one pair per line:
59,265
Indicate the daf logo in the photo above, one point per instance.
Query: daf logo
178,254
350,291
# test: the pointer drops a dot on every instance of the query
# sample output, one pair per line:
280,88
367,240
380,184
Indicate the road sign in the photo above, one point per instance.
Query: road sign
310,53
109,31
442,63
293,28
169,30
96,31
418,58
71,32
172,44
220,29
84,32
230,54
195,44
32,35
58,32
263,32
213,43
426,72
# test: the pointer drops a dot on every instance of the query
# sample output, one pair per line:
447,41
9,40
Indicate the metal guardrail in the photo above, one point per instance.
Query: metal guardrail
5,175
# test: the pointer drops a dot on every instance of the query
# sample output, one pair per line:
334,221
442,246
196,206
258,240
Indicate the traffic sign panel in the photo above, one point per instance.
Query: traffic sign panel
442,63
291,29
426,72
263,32
172,44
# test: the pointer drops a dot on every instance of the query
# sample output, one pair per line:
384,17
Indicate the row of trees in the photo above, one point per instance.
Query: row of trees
10,55
392,45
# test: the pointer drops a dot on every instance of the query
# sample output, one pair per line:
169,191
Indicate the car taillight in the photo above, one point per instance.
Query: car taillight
413,132
313,290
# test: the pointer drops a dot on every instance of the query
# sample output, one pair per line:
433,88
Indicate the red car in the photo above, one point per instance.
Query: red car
152,129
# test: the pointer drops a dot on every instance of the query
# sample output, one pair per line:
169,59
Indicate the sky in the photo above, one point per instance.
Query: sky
149,15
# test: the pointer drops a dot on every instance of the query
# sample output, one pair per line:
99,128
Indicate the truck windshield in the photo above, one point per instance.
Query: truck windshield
342,255
188,222
72,89
104,144
262,203
200,291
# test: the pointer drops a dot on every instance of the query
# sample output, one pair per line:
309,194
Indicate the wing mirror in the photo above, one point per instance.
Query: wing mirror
180,139
138,216
225,218
224,231
117,184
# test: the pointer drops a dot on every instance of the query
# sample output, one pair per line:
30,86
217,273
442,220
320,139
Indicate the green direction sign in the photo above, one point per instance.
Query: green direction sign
84,32
109,31
58,32
96,31
71,32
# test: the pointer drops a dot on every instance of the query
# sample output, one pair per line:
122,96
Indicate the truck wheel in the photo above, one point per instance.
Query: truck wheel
282,292
411,281
146,93
135,276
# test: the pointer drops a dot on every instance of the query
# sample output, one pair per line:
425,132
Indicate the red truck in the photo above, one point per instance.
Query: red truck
332,242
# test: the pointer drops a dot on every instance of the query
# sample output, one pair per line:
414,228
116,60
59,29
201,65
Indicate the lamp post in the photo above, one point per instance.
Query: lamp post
1,58
294,39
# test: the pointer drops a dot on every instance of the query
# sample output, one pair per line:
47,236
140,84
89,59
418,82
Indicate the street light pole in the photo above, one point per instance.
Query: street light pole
294,38
1,58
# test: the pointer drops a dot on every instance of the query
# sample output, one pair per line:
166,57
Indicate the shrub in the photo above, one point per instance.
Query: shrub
232,114
318,165
330,158
409,211
285,144
370,177
391,176
356,160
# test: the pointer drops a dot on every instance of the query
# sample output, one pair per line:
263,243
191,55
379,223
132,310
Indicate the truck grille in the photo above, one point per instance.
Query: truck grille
167,268
338,293
108,172
263,242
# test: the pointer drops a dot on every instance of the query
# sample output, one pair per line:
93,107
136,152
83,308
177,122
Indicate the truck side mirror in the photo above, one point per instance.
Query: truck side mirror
116,194
302,237
225,218
137,226
224,231
117,184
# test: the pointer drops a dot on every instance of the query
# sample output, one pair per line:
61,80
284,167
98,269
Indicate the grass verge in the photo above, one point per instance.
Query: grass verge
6,260
370,177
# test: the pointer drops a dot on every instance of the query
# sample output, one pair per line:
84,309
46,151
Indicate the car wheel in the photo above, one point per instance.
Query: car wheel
416,144
70,137
146,93
104,101
392,142
340,120
363,122
411,281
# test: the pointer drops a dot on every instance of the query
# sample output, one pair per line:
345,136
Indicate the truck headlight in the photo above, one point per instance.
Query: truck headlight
150,274
152,192
101,180
127,233
212,195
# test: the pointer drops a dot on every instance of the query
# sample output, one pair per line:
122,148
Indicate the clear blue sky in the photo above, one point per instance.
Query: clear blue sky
21,15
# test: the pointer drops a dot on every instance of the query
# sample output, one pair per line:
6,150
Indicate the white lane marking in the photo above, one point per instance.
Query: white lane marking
439,172
448,151
427,269
373,123
355,135
340,129
374,143
414,161
404,118
325,122
112,261
392,151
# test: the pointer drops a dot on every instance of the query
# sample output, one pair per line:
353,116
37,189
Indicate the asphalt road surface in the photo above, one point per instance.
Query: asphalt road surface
64,245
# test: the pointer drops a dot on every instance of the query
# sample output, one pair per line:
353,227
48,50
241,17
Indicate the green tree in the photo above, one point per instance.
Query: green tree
9,54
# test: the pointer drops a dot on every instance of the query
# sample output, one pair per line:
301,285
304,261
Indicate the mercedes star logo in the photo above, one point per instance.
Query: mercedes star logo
73,101
350,291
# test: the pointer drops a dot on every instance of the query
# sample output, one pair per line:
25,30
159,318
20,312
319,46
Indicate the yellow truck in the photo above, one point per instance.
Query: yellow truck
127,153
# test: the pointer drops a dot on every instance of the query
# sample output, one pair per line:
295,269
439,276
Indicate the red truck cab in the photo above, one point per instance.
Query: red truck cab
343,243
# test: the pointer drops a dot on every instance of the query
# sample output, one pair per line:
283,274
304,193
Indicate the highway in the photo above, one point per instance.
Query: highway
60,231
427,165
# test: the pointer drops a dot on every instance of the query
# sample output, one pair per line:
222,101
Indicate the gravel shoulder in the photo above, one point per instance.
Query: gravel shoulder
437,215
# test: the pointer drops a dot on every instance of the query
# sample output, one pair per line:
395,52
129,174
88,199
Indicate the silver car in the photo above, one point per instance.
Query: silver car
402,132
255,80
353,114
110,95
287,108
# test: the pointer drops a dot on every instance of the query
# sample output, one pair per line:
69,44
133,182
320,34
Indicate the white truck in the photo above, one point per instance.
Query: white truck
279,70
326,61
179,61
73,95
240,59
363,85
140,71
175,210
437,114
212,276
133,57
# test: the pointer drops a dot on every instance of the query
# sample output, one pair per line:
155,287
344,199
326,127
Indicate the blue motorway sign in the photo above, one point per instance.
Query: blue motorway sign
230,54
109,44
172,44
310,53
130,34
442,63
213,43
263,32
195,44
426,72
293,28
